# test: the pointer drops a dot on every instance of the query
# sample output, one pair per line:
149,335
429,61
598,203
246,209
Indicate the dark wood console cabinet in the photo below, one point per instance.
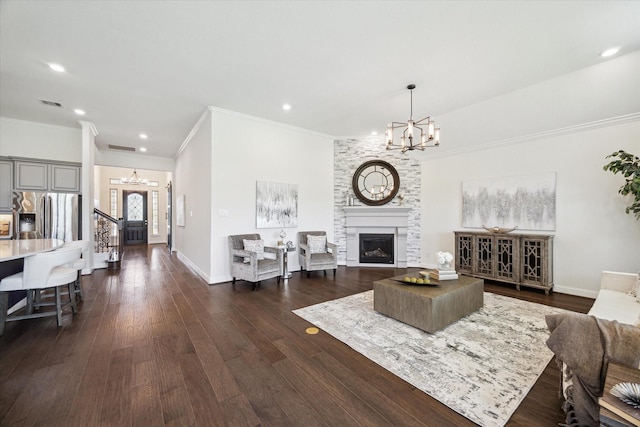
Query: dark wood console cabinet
521,259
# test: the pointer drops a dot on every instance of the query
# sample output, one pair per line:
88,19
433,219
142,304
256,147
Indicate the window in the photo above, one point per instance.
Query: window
155,228
134,205
113,195
113,208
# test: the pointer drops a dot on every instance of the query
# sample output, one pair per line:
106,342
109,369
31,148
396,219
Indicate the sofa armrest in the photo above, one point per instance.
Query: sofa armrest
617,281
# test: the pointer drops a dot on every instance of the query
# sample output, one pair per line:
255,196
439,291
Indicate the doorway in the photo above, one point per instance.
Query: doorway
169,213
134,209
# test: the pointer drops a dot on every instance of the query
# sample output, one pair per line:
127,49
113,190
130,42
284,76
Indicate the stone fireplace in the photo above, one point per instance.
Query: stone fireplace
379,227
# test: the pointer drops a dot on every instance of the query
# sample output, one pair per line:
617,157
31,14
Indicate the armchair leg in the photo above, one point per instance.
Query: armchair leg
233,282
325,273
334,272
278,280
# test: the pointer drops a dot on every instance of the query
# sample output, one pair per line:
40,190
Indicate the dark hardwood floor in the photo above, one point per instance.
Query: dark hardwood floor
154,345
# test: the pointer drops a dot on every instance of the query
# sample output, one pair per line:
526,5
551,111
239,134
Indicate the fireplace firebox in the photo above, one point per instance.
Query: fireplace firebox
376,249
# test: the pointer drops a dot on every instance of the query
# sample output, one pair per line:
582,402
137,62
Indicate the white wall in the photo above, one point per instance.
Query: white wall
193,180
20,138
593,233
247,149
134,160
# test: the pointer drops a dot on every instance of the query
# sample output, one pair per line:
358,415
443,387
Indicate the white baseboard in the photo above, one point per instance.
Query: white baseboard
192,266
575,291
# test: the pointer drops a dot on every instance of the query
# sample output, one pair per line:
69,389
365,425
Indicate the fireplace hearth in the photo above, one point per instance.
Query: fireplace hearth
376,248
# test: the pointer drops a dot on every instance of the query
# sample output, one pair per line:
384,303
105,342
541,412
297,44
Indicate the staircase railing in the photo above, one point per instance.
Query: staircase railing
108,236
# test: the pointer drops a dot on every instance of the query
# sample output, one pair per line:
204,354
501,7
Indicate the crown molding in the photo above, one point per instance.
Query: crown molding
192,133
612,121
270,122
90,126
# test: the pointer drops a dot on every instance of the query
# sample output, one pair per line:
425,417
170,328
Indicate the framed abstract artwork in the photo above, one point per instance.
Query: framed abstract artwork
276,205
180,211
527,202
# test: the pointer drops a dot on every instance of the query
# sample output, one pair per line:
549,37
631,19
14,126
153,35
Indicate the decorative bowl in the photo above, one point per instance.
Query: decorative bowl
500,229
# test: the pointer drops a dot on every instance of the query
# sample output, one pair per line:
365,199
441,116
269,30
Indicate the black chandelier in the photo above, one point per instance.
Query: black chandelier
429,133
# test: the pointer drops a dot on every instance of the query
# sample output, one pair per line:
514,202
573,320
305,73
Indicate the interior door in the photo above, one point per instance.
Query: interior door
134,208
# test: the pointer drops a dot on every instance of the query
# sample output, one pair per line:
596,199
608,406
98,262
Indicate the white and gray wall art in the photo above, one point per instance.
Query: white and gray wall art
527,202
276,205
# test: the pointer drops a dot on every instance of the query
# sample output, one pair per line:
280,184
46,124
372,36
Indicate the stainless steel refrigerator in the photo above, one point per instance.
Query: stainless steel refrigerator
47,215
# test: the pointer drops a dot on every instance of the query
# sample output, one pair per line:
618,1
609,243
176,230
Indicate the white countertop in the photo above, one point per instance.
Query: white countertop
15,249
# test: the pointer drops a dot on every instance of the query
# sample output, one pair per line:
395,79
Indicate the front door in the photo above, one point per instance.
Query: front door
134,208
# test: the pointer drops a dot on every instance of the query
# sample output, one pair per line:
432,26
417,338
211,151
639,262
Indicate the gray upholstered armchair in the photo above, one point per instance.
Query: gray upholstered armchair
315,253
250,264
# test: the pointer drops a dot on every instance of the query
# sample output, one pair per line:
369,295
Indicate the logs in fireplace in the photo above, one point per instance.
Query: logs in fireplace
376,248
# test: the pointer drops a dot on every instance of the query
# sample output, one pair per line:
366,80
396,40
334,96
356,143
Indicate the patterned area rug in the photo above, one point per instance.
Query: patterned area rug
481,366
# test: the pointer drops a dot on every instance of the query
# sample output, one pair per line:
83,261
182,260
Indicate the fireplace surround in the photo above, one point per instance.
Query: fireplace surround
377,220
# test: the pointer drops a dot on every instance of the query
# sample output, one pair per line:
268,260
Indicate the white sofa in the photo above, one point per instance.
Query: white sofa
584,345
614,301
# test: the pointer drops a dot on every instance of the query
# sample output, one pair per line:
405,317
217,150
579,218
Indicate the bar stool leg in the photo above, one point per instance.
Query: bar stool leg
58,307
4,306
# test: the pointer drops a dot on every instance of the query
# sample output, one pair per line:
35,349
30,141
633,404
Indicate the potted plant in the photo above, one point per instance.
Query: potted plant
629,166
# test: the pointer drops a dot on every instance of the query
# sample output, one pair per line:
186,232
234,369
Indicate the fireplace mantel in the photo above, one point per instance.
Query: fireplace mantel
377,219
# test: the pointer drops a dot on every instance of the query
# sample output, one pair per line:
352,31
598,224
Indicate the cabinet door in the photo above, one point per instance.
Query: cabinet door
31,176
6,185
464,253
65,178
536,261
507,254
483,263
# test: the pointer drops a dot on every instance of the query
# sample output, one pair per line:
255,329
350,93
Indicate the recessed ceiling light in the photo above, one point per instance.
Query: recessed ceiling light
610,52
79,112
286,107
143,136
143,149
374,133
57,67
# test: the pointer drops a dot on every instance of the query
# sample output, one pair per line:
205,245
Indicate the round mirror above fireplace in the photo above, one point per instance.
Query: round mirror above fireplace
376,182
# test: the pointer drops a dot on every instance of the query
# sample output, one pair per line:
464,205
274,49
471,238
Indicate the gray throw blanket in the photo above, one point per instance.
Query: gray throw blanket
586,345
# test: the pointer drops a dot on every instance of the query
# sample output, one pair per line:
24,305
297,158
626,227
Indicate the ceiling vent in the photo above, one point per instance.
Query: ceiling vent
51,103
121,148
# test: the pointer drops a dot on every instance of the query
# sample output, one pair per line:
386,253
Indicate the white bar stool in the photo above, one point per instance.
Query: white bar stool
41,271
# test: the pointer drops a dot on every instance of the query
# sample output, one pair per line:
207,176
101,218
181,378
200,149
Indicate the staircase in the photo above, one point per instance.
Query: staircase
108,250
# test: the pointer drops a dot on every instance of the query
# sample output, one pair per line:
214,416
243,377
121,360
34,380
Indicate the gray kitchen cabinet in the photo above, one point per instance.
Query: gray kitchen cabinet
31,176
64,178
6,185
42,176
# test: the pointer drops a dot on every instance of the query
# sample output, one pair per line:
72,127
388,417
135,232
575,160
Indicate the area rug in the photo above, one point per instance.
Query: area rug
481,366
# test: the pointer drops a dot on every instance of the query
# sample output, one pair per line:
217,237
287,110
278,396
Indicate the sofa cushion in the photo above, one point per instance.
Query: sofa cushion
635,291
614,305
256,246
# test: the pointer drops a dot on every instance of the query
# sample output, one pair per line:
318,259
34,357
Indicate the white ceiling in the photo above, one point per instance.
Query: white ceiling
154,66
